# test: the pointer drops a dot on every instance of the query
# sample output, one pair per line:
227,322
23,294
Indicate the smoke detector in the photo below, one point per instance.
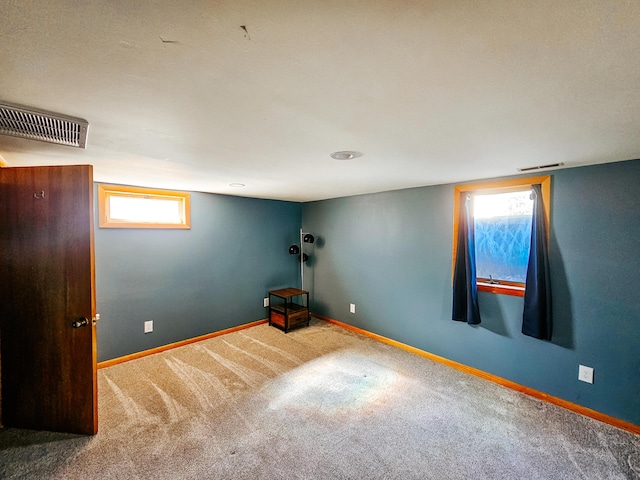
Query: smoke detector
34,124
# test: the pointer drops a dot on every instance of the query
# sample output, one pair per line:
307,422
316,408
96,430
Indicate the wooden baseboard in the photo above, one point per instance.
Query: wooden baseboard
587,412
133,356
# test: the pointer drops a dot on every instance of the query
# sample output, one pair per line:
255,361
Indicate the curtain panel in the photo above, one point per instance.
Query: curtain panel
536,318
465,290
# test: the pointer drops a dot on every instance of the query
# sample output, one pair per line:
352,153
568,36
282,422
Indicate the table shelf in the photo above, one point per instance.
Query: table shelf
286,314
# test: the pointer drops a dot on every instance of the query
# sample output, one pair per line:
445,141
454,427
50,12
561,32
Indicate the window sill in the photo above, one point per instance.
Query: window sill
513,290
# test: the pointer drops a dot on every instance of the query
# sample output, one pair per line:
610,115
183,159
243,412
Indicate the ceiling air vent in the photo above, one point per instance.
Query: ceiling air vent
40,125
540,167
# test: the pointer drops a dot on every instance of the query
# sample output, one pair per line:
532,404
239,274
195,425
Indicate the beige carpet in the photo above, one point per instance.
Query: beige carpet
320,402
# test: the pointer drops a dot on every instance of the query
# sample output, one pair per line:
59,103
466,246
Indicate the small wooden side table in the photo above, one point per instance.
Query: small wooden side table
284,313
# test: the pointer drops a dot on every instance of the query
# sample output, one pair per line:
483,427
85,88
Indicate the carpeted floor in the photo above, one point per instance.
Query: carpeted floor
318,403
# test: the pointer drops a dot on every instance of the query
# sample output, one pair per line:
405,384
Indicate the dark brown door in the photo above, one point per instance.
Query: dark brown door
48,350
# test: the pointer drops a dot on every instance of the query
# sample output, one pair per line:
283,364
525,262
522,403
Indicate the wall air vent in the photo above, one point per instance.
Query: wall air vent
34,124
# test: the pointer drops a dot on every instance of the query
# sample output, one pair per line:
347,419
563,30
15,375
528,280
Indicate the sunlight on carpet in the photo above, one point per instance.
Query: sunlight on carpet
336,383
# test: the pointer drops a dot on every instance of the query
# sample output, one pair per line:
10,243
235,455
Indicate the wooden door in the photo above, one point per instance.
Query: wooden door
46,286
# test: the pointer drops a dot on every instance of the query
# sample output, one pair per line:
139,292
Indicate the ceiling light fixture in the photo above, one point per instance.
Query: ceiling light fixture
237,185
345,155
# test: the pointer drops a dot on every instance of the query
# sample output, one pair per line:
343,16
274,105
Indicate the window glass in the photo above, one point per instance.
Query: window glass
502,235
145,209
135,207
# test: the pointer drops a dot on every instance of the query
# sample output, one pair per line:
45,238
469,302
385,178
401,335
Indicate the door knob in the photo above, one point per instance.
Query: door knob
83,322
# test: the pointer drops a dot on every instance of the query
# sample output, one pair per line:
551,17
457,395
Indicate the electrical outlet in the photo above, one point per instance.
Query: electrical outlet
352,308
585,374
148,326
265,302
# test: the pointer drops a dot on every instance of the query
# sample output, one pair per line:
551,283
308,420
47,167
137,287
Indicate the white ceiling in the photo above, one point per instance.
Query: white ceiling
178,95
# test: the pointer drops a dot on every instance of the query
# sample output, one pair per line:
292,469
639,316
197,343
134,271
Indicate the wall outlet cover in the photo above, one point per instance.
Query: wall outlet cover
265,302
148,326
352,308
585,374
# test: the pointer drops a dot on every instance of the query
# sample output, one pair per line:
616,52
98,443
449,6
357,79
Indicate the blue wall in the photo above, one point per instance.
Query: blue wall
390,254
193,282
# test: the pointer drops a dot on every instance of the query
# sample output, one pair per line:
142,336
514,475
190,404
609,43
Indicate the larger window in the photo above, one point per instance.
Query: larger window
134,207
501,213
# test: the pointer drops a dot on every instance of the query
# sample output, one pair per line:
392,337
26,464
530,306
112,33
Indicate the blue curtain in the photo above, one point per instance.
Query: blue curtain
536,319
465,290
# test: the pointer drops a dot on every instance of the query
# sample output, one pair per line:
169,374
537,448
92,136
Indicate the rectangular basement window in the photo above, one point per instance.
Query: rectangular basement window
501,214
135,207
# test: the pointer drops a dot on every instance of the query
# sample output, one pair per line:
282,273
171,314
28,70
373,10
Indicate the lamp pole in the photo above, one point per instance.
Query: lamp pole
301,262
295,250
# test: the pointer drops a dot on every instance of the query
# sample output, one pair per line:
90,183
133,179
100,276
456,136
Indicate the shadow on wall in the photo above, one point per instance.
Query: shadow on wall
319,308
492,314
309,273
310,249
562,333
